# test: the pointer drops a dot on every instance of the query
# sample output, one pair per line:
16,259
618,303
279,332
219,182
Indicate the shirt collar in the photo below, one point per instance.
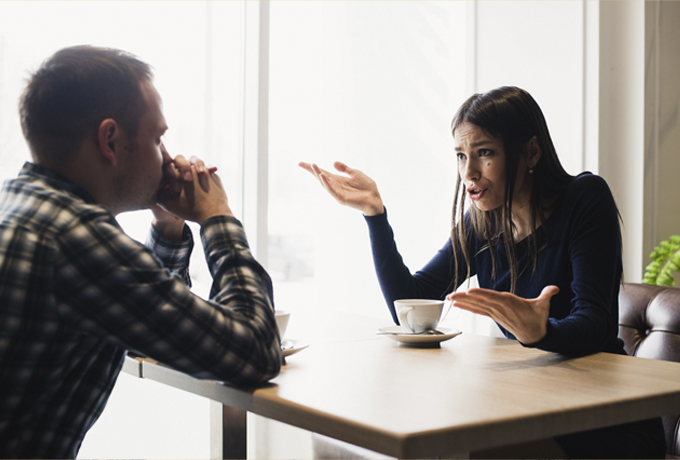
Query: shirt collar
56,180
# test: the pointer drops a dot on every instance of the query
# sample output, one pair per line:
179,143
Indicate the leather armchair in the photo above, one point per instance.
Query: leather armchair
649,325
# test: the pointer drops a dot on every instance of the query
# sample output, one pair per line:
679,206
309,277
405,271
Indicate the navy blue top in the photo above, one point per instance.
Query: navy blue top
582,257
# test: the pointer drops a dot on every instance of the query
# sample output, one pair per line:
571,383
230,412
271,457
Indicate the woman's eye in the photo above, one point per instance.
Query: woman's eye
461,156
485,152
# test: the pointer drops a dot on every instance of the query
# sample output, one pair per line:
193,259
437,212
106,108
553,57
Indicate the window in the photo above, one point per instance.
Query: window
374,85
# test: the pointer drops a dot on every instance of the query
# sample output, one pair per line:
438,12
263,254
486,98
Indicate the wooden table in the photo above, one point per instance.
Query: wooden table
474,392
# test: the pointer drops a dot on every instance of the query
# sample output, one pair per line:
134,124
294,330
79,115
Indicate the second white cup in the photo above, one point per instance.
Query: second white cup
282,318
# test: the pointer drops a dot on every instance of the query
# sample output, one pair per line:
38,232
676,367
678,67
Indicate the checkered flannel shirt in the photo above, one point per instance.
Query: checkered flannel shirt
76,292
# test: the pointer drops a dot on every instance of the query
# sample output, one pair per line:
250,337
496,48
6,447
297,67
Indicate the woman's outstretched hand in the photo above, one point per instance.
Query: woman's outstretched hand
526,319
355,189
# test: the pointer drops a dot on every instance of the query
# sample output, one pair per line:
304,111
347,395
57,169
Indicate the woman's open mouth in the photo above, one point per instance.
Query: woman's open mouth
475,193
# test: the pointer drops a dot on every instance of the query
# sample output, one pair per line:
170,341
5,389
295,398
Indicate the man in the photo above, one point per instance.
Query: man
76,292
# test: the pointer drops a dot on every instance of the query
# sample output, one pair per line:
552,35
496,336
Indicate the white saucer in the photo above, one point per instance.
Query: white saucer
298,345
395,333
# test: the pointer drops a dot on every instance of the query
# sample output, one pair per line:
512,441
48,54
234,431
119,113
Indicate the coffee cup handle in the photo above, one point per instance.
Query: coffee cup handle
402,316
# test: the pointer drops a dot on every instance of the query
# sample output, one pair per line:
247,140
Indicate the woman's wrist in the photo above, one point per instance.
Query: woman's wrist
375,209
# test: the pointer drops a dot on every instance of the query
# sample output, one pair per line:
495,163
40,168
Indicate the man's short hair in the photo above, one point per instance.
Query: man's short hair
73,91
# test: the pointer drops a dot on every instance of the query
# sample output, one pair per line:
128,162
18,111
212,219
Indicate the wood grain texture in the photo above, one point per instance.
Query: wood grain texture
473,392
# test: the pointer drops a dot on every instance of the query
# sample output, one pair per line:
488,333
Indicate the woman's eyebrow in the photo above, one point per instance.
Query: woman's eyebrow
475,144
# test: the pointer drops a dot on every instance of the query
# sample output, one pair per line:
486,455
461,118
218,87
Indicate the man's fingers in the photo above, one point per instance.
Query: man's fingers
203,181
199,164
184,167
217,180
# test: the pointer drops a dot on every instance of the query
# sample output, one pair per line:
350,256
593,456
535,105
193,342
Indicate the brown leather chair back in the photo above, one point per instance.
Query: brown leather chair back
649,325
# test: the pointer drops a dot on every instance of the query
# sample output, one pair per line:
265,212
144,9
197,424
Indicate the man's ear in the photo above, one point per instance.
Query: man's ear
110,139
533,151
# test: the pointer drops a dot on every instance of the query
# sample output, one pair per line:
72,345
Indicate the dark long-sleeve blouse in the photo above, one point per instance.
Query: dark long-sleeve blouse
581,255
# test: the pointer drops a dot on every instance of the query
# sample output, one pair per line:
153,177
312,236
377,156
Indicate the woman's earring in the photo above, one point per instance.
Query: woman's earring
531,169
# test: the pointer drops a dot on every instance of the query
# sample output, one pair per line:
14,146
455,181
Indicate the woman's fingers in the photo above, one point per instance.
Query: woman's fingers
343,168
352,188
312,168
526,319
548,292
323,176
322,172
474,304
306,166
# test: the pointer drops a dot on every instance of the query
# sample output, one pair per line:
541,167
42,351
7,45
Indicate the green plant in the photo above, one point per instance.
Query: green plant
665,260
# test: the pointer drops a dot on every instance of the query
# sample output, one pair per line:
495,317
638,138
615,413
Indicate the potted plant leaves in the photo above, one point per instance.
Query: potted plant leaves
665,261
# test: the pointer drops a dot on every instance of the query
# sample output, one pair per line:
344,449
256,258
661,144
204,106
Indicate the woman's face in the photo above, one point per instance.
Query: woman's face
481,165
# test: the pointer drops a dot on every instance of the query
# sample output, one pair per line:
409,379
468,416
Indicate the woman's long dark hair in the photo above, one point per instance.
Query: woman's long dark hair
512,115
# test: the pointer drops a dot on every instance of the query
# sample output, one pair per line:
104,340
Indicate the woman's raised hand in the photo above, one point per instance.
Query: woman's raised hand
354,189
526,319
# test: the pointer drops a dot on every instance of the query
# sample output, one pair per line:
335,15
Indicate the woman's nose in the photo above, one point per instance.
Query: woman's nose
471,172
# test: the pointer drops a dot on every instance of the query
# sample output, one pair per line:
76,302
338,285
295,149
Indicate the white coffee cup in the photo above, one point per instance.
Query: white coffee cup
282,318
419,315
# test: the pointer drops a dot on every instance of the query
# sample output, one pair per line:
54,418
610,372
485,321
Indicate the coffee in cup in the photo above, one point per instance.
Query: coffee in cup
419,315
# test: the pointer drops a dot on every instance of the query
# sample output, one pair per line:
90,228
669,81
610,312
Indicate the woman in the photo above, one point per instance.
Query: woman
545,246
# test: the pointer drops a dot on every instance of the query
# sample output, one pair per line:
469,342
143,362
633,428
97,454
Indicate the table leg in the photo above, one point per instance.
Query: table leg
227,432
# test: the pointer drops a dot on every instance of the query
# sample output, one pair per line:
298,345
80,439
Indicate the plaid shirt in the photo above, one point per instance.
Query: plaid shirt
76,292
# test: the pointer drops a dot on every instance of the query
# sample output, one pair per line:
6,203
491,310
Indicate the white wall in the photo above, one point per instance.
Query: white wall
621,123
662,125
606,75
538,46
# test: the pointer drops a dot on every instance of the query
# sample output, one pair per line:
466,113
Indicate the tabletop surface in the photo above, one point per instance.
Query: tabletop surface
473,392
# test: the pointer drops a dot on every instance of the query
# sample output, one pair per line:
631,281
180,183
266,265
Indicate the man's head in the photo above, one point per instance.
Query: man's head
73,91
93,115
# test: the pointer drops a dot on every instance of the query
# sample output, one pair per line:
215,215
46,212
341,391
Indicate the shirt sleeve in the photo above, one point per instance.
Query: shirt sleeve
594,250
433,281
173,255
111,286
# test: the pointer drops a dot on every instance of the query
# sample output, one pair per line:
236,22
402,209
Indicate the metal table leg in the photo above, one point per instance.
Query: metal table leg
228,433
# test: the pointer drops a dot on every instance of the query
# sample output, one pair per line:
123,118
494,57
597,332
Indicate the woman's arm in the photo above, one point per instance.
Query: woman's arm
355,189
433,281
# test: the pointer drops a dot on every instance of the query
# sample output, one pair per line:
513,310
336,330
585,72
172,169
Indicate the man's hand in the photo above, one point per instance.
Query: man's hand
192,191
